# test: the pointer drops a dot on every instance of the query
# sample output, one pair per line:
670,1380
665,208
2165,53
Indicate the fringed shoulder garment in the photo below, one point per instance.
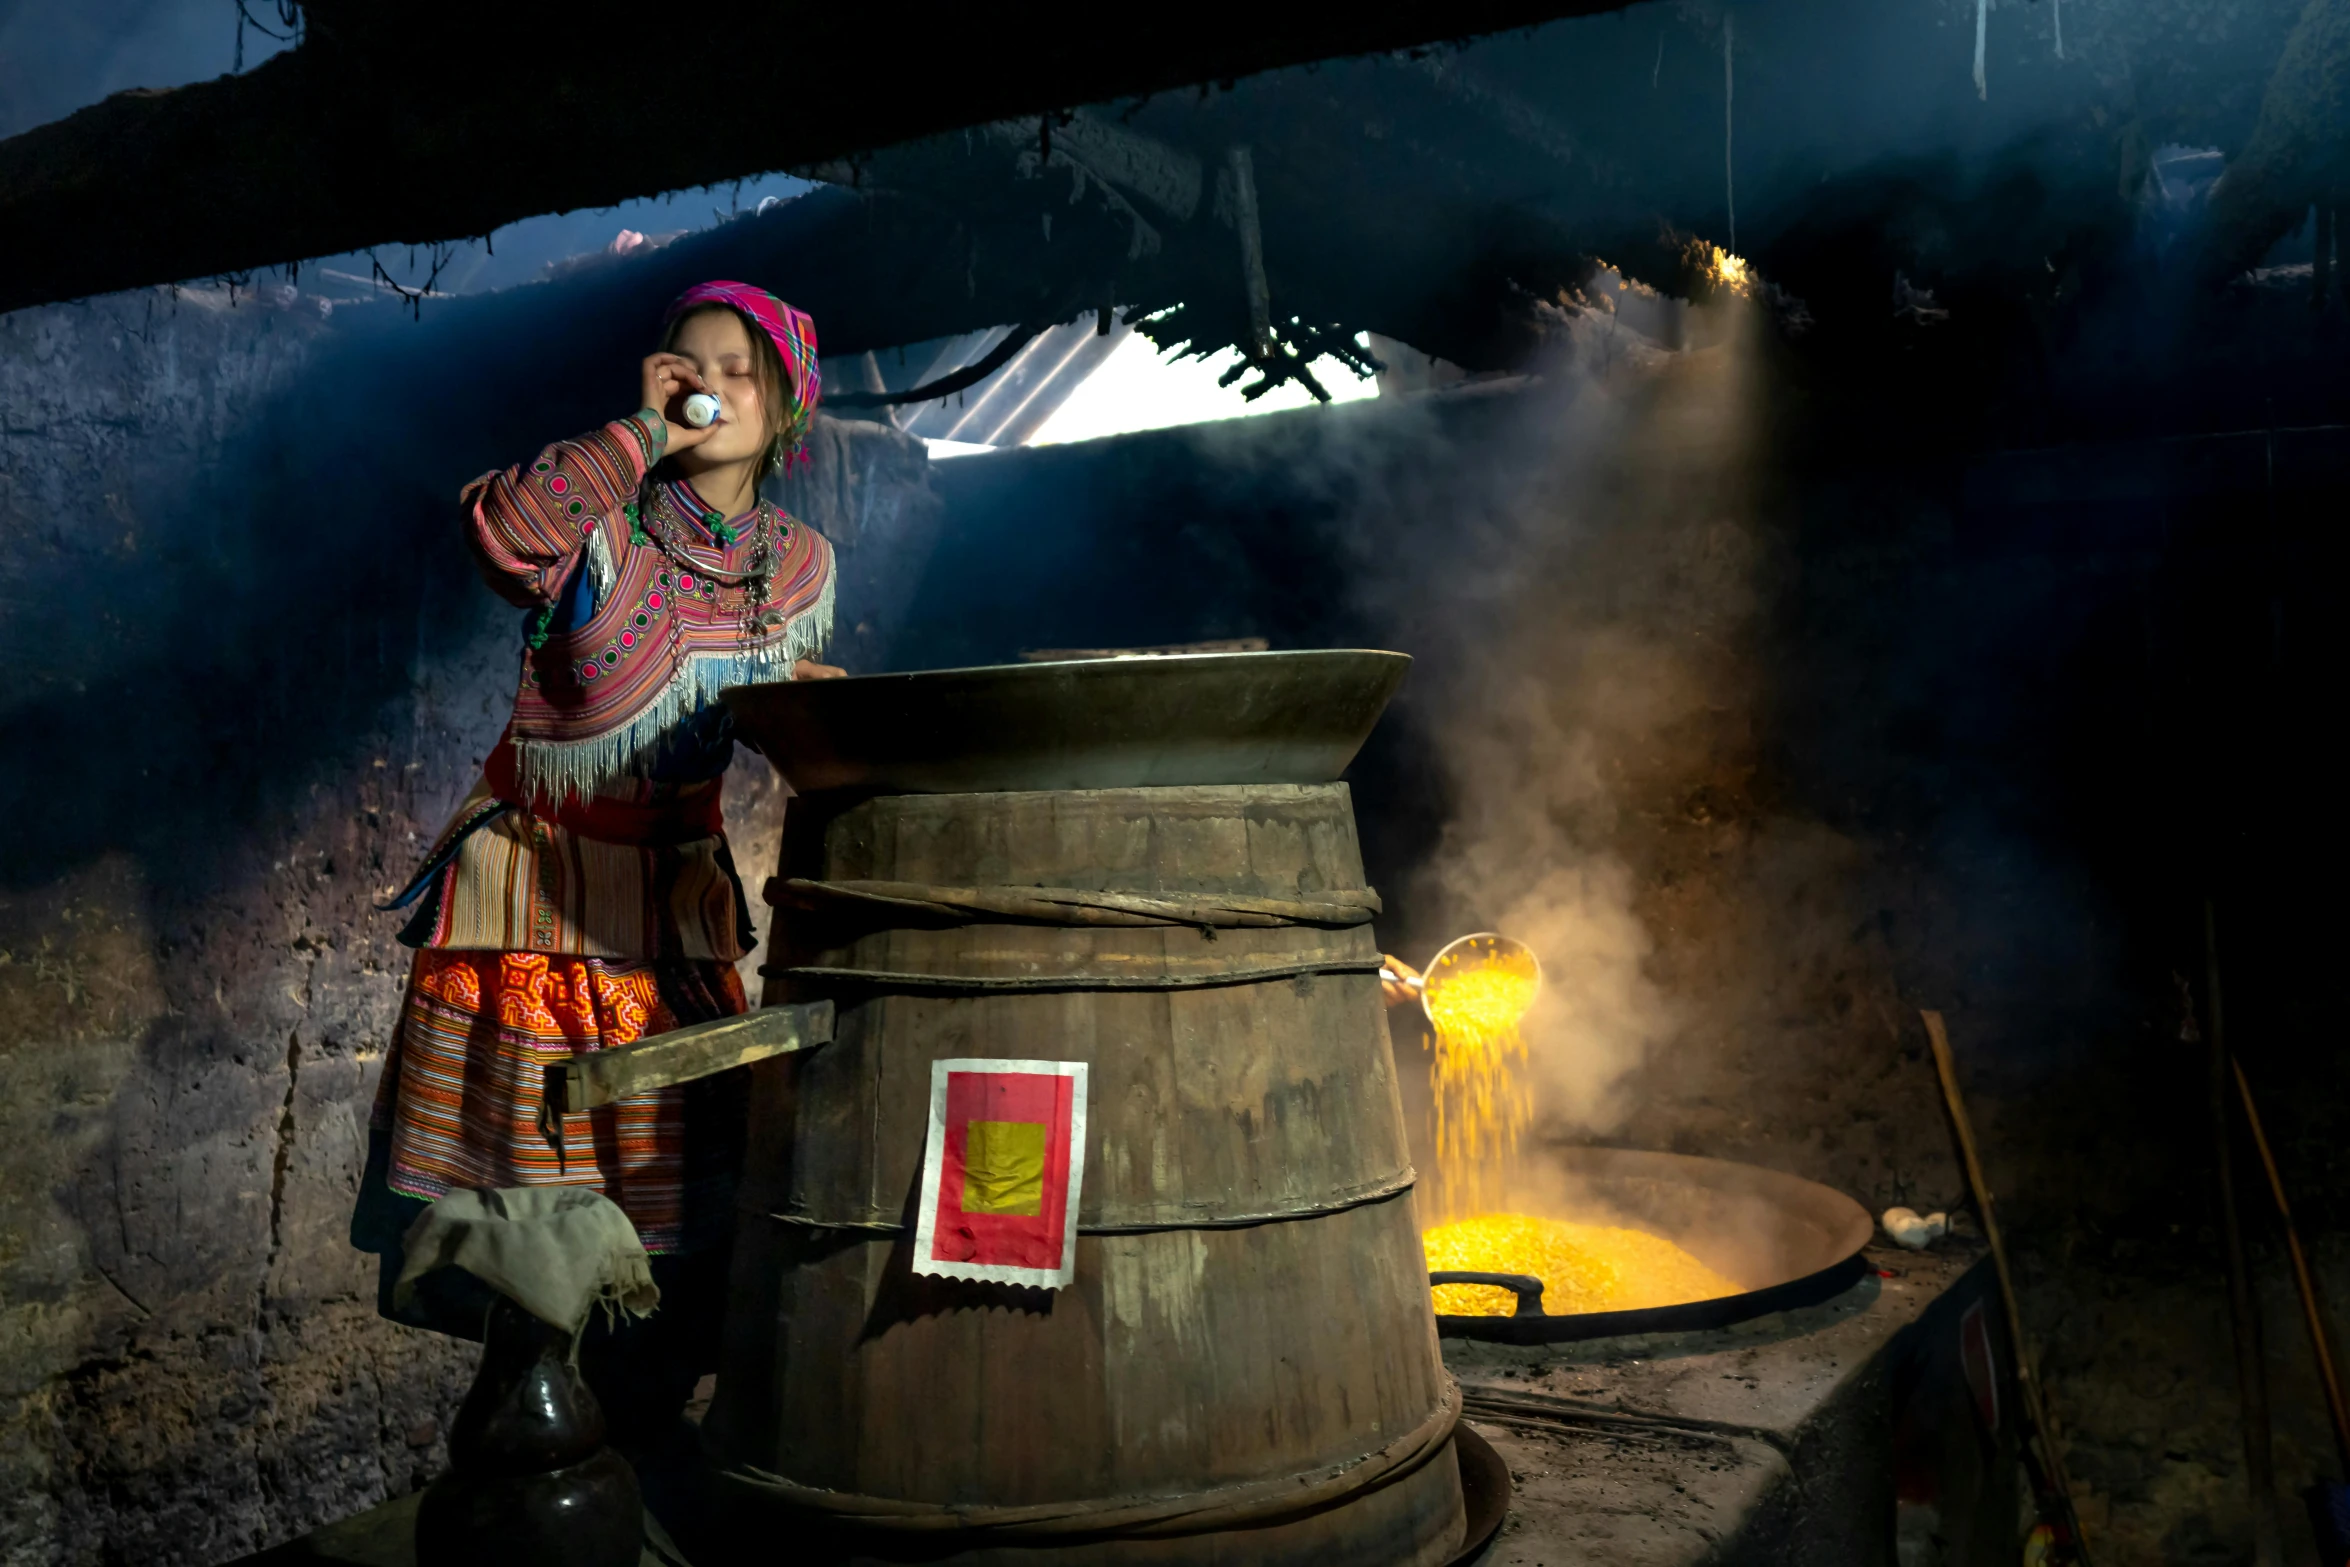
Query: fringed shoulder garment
582,896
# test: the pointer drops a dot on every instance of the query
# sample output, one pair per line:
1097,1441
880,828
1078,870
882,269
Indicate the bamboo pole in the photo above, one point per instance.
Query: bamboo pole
2260,1473
2026,1377
2319,1341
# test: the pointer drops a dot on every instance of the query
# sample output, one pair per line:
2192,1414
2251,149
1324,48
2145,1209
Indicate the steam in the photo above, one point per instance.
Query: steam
1525,847
1601,651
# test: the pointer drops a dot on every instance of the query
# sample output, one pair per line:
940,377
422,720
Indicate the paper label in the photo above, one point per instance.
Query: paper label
1001,1172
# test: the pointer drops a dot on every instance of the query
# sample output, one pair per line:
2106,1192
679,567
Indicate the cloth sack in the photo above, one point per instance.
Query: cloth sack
558,1252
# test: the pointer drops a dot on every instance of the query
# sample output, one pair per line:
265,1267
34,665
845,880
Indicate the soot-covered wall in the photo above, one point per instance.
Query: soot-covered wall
250,669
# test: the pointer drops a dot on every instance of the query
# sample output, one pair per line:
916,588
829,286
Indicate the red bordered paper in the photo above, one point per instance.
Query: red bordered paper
1001,1172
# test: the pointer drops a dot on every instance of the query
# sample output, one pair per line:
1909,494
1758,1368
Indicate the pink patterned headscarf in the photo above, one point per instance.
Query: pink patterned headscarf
794,333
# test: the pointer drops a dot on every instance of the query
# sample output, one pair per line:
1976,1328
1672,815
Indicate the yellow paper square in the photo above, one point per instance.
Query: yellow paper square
1003,1167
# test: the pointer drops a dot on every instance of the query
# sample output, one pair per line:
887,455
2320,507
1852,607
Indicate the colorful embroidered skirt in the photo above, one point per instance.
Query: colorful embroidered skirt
461,1094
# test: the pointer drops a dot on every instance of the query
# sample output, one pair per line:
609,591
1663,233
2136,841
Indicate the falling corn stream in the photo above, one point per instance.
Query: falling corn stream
1477,992
1483,1104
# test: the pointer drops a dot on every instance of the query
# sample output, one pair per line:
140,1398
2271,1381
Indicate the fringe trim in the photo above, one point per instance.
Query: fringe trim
564,769
625,1291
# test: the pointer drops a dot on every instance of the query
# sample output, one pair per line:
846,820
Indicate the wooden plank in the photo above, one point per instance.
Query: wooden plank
684,1054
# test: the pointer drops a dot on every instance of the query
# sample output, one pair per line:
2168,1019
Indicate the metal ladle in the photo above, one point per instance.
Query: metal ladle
1461,954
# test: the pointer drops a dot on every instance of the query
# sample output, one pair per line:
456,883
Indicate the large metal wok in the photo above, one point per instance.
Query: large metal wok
1790,1241
1108,723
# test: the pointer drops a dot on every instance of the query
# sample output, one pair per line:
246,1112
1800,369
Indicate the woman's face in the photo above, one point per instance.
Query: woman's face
717,344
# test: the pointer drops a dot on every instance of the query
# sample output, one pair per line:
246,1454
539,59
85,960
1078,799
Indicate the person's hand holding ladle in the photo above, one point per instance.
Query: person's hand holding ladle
1399,982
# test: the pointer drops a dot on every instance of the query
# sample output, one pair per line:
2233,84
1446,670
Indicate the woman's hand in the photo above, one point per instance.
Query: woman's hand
809,669
667,379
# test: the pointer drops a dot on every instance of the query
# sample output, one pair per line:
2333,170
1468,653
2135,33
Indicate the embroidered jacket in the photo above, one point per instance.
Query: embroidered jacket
595,829
668,627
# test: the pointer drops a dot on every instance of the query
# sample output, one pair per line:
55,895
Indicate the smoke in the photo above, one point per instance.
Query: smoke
1591,688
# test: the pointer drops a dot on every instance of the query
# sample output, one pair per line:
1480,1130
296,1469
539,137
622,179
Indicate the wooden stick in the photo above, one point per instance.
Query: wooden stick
2319,1341
1078,906
2027,1380
683,1054
2260,1470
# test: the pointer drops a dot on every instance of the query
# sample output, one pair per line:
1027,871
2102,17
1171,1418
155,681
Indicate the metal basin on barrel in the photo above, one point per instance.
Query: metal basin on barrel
1147,866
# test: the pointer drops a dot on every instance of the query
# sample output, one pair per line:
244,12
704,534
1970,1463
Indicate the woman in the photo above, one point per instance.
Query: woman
582,897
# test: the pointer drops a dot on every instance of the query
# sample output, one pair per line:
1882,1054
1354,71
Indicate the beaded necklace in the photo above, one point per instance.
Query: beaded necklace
743,592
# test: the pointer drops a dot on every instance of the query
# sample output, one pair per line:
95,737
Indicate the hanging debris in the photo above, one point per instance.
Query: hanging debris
1982,31
1729,99
1242,169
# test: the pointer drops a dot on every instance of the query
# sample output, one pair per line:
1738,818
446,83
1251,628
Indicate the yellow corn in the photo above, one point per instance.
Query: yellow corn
1583,1267
1482,1106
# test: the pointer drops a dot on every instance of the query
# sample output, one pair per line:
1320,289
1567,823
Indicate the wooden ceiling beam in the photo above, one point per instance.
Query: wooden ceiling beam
393,126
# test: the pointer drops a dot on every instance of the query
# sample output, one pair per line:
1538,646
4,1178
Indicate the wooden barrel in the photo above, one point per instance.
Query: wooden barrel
1245,1368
